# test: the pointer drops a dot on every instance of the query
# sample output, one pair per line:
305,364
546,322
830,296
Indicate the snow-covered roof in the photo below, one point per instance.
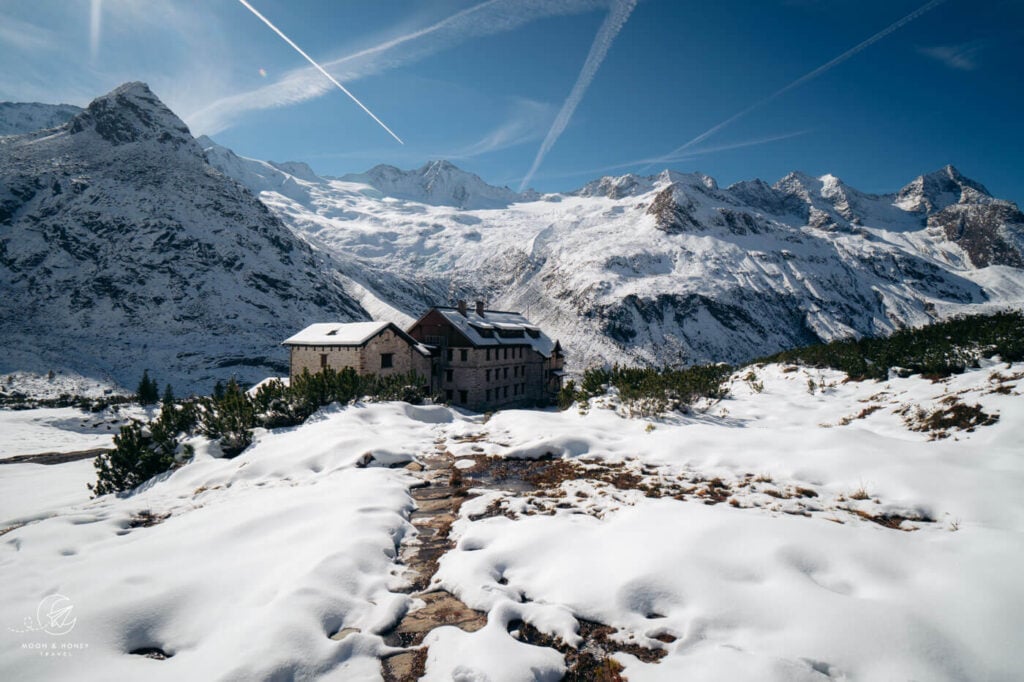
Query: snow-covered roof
348,334
498,328
336,334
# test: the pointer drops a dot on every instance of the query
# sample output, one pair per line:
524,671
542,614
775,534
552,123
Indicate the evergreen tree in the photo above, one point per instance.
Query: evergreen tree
218,390
148,391
168,398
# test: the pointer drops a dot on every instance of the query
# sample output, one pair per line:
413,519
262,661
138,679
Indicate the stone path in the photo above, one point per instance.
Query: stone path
439,496
438,500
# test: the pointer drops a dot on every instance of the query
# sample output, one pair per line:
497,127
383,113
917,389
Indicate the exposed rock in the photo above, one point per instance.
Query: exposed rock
990,234
669,215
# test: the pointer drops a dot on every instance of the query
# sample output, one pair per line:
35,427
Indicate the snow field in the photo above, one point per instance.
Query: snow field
244,568
754,593
260,560
62,429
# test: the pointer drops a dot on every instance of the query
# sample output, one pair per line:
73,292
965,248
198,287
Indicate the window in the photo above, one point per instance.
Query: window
448,394
387,360
488,355
449,375
488,395
506,391
488,375
450,355
506,377
463,397
506,353
463,355
515,390
323,360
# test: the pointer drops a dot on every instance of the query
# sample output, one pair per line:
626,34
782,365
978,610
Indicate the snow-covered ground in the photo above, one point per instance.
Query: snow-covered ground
260,560
43,386
62,429
798,530
751,591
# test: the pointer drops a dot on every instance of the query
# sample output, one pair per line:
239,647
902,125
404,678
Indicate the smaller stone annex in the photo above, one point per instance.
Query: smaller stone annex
475,358
367,347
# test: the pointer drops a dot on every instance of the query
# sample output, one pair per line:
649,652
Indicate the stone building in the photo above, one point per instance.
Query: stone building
488,359
368,347
479,359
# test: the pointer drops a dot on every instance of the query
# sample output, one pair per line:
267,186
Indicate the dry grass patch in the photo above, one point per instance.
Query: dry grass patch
951,415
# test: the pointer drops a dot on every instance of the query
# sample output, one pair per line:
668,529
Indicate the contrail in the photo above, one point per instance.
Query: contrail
613,23
95,26
808,76
319,68
490,17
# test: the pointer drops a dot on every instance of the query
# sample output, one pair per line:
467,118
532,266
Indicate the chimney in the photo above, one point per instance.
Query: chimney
462,307
480,308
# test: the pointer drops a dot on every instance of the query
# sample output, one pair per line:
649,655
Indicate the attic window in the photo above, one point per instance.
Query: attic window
534,333
332,332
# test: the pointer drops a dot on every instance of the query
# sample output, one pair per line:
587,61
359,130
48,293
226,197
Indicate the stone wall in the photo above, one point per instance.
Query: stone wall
492,378
364,359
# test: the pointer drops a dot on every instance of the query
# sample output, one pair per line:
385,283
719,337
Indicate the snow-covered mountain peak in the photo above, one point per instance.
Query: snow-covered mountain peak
616,187
131,113
935,191
799,184
298,169
439,183
121,241
695,179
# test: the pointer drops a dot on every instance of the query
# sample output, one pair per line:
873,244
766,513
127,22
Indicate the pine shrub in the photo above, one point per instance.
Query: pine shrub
229,415
936,351
651,390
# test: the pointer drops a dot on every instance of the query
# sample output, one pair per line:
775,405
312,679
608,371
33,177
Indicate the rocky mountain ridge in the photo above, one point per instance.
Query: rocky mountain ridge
121,249
438,183
669,268
674,268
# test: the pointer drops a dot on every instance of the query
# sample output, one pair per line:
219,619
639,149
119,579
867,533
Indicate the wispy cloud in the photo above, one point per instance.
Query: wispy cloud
610,28
483,19
809,76
24,35
962,57
525,124
526,120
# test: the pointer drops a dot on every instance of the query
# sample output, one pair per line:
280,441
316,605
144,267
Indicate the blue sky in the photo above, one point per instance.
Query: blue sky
570,89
